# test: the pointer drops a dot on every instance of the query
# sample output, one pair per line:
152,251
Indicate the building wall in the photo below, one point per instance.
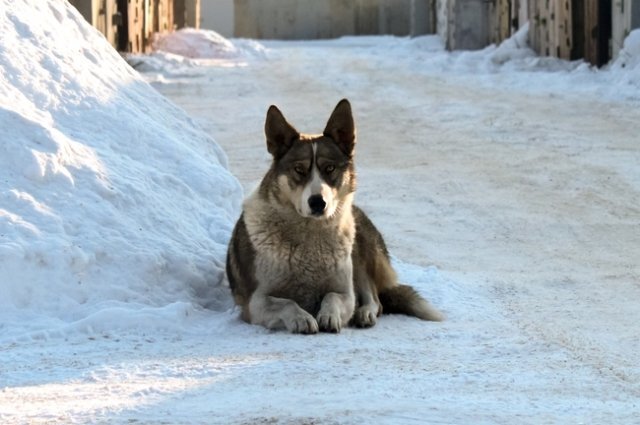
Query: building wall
218,15
423,17
466,24
442,18
313,19
395,17
570,29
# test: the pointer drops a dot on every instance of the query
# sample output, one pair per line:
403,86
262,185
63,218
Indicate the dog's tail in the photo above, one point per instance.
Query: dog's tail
403,299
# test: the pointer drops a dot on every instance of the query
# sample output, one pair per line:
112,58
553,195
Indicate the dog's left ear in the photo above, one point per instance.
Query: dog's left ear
341,127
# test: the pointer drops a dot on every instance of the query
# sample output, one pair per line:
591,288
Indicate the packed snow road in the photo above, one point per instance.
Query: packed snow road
525,184
507,187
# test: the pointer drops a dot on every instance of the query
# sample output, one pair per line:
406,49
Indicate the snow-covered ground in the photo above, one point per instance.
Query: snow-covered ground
507,186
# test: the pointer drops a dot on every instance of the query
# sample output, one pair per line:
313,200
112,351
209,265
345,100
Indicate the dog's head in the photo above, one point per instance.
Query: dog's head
314,173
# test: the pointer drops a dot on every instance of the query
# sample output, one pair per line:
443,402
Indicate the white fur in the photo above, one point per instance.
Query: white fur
317,186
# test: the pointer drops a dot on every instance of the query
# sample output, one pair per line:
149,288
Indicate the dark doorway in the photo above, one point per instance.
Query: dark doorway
592,31
123,26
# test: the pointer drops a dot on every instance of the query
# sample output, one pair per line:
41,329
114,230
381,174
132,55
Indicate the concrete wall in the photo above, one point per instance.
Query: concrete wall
467,25
394,17
442,18
313,19
218,15
423,17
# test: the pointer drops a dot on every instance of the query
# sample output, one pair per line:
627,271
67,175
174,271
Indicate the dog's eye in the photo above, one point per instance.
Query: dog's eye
330,168
299,169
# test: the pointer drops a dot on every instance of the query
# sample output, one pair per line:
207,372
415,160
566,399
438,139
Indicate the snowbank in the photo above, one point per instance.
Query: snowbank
183,53
115,208
194,53
193,43
205,44
629,56
510,64
627,65
515,47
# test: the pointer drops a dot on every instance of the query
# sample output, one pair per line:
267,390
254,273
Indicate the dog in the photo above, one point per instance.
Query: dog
302,256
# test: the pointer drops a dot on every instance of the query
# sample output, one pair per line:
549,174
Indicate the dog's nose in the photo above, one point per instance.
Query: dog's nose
317,204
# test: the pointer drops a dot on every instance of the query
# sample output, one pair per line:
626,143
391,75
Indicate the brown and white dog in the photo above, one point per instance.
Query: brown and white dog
302,257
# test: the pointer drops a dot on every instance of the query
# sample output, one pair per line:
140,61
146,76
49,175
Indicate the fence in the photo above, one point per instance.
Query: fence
129,25
568,29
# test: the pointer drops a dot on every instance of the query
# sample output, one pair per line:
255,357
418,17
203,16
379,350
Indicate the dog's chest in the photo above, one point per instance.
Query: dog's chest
307,246
301,259
306,268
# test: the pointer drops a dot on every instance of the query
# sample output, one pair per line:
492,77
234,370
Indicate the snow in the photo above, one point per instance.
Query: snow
115,208
185,52
194,43
205,44
506,186
629,56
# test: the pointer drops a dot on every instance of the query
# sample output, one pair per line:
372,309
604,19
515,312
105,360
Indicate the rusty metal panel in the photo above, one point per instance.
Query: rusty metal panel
135,21
100,14
597,31
149,14
538,23
563,40
163,16
186,13
591,30
499,20
108,17
180,13
551,27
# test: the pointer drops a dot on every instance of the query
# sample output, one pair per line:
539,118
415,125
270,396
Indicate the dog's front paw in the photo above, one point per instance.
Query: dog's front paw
302,323
365,317
329,322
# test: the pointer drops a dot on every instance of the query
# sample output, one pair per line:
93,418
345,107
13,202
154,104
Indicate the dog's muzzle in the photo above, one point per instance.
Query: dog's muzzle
317,204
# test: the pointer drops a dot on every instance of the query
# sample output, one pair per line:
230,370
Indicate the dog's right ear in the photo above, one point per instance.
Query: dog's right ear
341,127
280,134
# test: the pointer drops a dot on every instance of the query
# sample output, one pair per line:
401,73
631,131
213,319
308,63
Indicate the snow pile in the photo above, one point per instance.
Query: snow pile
629,56
624,72
183,53
205,44
193,43
115,208
514,53
168,64
515,47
